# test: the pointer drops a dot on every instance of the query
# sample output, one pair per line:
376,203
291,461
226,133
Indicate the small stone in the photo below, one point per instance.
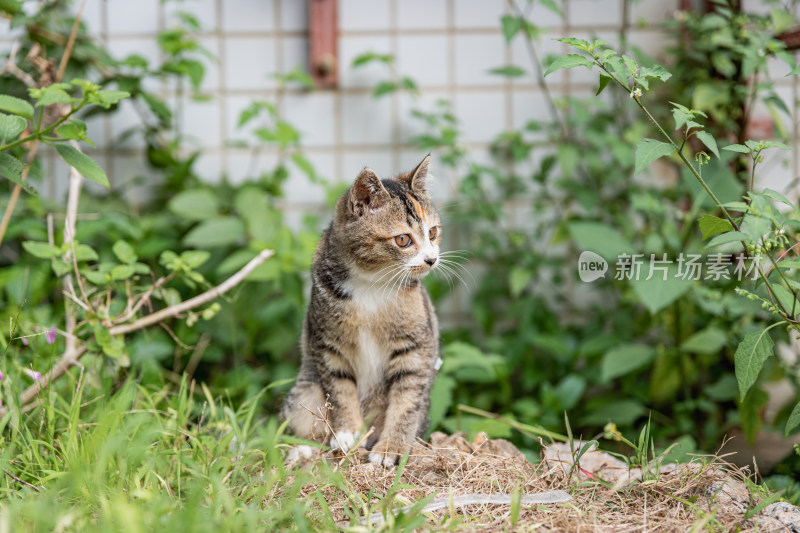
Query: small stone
785,513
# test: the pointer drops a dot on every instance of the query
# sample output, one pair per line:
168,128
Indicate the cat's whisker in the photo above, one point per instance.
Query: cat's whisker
391,269
452,270
455,253
396,277
458,266
442,271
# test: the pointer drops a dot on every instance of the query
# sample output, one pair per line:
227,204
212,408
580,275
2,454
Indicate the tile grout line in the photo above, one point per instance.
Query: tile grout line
338,123
223,87
457,294
395,103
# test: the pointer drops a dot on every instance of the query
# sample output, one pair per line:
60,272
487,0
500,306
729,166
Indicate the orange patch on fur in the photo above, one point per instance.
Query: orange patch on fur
418,208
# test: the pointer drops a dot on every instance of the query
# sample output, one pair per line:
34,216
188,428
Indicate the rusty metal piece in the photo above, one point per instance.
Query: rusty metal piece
323,42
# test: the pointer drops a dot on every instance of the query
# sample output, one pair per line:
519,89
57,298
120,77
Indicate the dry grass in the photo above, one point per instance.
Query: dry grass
706,494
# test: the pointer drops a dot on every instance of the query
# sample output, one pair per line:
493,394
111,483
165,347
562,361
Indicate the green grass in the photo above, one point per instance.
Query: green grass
171,459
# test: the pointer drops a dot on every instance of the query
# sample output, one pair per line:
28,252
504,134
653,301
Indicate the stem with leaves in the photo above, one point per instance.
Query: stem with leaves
613,67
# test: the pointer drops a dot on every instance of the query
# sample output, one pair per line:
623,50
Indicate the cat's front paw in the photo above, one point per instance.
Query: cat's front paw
343,440
386,455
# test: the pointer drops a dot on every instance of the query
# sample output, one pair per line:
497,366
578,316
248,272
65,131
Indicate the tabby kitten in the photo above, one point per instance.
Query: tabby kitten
370,339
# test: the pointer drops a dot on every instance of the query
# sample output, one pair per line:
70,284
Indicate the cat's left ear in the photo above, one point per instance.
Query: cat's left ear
418,177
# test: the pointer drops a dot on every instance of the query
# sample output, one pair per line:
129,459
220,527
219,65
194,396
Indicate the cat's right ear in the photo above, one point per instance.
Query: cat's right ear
367,193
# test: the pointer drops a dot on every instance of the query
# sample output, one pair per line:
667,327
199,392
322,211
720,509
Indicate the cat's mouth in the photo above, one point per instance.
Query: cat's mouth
420,271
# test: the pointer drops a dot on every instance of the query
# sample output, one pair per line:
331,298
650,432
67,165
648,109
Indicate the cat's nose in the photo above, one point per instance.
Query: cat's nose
430,260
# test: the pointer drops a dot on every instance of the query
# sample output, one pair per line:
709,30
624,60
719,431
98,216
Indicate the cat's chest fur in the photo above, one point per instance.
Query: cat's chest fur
371,308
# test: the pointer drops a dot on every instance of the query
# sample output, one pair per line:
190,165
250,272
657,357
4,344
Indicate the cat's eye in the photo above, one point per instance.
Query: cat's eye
433,233
403,241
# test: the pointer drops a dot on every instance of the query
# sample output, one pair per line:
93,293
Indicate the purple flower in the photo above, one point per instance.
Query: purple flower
51,334
1,376
24,341
35,376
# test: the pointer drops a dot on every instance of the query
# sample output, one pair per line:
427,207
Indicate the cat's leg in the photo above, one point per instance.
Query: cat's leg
339,384
304,408
408,383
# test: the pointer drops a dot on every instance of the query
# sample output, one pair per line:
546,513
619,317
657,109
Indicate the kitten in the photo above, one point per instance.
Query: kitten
370,340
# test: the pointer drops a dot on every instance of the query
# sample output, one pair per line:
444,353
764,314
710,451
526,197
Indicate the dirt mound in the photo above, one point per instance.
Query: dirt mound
475,482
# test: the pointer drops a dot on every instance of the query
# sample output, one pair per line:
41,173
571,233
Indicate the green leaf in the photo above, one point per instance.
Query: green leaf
83,164
656,71
96,277
11,126
441,399
519,279
599,238
106,99
124,252
305,165
297,75
707,139
74,130
785,297
84,252
789,263
724,389
647,151
725,238
12,7
511,26
657,293
52,94
568,61
221,231
157,106
16,106
191,68
577,43
621,412
737,148
369,57
775,195
122,272
195,204
552,6
624,360
794,420
511,71
194,258
708,341
751,411
711,225
756,348
775,144
42,250
383,88
603,83
61,267
12,169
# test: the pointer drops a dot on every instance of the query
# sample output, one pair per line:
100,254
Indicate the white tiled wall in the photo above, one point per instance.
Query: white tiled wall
447,46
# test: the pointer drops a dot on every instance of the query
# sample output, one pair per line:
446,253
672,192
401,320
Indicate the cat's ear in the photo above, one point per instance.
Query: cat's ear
418,177
367,193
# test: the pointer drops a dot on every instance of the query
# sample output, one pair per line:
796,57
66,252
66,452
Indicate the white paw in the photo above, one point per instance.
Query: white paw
380,459
300,452
343,440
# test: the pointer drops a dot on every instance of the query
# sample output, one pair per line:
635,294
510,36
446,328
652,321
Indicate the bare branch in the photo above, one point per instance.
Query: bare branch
207,296
71,42
12,68
12,202
143,298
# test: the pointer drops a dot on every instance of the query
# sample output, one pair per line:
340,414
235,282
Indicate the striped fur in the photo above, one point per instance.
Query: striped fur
370,341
